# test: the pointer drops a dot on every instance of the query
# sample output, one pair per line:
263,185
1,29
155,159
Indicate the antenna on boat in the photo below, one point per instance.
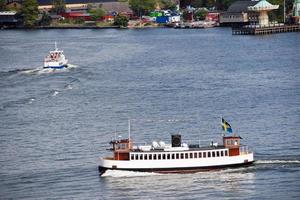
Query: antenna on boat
129,127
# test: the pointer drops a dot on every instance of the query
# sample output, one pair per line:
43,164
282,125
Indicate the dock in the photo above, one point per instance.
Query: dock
264,30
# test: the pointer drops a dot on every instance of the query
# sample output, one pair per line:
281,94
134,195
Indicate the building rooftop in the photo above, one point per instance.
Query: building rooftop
50,2
240,6
263,5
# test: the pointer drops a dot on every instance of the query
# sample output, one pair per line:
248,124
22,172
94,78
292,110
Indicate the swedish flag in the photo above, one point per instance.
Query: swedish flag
226,126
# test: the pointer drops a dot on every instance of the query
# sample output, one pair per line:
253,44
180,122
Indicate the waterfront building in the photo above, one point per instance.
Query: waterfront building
14,4
296,11
8,18
263,7
238,14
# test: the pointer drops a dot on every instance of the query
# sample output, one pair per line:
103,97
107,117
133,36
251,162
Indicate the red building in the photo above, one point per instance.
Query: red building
77,15
213,16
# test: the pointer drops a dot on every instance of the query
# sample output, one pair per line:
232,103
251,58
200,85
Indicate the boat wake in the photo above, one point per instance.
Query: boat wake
41,70
277,162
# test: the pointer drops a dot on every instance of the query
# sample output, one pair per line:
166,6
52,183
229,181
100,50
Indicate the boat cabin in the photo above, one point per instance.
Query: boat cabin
121,149
233,144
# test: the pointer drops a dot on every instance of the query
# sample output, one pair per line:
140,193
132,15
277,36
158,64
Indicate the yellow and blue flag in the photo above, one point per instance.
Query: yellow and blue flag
226,126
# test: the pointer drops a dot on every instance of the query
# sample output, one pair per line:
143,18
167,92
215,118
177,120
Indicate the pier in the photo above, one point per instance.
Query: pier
264,30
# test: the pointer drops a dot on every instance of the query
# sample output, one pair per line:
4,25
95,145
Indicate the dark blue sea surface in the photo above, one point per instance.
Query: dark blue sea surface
54,125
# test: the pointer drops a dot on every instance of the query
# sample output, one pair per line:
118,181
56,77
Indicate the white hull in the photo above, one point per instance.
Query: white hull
177,163
56,64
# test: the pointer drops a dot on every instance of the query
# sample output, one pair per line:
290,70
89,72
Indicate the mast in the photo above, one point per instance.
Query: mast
284,11
129,129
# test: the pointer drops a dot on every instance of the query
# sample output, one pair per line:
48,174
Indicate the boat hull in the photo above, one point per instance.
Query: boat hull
56,64
56,67
183,170
177,165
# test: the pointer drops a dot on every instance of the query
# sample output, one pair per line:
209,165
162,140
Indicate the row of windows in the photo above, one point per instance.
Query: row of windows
168,156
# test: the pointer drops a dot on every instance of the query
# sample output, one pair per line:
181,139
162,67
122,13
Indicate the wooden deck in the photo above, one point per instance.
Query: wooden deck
252,30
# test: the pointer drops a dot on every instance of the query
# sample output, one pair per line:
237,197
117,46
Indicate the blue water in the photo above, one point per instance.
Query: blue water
54,125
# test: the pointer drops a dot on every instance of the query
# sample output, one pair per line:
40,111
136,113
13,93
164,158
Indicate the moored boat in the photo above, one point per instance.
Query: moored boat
176,157
55,59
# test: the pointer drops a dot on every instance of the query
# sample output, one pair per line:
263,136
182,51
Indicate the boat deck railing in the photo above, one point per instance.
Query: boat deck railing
244,150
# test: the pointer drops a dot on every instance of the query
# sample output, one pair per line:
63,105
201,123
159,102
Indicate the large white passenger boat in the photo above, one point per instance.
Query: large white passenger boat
55,59
176,157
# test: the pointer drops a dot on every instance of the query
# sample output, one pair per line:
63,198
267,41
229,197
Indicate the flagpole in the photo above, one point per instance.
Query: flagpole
222,134
129,127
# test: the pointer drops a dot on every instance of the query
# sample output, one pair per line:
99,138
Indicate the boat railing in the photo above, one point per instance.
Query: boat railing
244,150
201,143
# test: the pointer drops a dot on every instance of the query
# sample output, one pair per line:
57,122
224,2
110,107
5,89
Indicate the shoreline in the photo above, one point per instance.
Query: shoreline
63,27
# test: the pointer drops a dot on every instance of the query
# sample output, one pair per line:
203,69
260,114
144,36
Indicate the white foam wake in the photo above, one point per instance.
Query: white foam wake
41,70
55,93
121,173
277,162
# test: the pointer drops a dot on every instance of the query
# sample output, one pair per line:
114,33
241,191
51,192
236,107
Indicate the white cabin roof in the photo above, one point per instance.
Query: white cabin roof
263,5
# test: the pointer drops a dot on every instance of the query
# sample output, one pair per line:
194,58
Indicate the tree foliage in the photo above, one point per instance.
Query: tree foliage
200,14
30,12
59,6
2,5
142,7
167,4
45,20
121,20
97,13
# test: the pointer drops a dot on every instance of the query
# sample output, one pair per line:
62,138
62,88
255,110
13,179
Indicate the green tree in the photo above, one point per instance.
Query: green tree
2,5
45,20
197,3
200,14
223,4
59,6
167,4
142,7
97,13
30,12
121,20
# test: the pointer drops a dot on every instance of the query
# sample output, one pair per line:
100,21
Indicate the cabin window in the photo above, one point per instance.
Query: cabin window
228,142
226,153
159,156
186,155
208,154
231,142
222,154
146,156
141,157
182,156
168,156
204,154
123,146
132,156
218,154
136,156
164,156
213,154
200,155
236,142
191,155
150,156
173,156
154,156
177,155
195,155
